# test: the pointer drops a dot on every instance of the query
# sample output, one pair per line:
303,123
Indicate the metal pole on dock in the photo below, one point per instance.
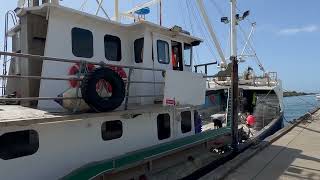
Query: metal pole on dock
234,76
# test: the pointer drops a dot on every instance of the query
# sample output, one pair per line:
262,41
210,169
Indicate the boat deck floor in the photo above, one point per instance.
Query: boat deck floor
296,155
19,115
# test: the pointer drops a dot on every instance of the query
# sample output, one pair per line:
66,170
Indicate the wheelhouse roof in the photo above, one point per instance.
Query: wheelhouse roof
43,10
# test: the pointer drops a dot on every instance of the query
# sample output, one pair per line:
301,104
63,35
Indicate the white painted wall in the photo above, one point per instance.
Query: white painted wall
66,146
58,44
186,88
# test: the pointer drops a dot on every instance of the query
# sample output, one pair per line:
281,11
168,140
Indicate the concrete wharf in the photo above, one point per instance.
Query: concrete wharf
291,153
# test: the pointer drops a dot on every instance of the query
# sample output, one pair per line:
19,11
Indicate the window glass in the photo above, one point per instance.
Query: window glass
163,123
138,50
187,54
111,130
18,144
186,121
163,52
112,48
82,43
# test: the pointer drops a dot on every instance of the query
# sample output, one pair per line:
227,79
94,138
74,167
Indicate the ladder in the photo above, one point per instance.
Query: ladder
9,14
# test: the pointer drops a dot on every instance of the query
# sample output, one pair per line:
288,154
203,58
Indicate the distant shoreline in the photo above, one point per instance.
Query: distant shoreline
294,93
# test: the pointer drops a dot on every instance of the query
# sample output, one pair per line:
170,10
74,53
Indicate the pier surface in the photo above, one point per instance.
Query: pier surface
295,155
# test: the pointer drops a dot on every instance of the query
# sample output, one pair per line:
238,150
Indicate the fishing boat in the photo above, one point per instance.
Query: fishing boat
238,97
87,97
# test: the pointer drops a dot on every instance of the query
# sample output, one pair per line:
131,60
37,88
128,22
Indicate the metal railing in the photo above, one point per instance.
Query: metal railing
9,14
82,63
205,67
269,79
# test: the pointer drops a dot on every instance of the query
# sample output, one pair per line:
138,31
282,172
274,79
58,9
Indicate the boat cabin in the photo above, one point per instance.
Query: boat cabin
52,30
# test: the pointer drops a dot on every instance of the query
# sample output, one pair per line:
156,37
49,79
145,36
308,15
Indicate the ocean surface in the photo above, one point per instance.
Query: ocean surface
297,106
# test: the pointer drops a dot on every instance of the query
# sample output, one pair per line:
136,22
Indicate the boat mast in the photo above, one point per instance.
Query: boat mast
234,75
116,10
160,4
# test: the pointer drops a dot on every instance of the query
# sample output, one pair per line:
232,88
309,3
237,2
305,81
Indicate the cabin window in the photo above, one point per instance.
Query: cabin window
112,48
187,54
186,121
18,144
163,52
138,50
111,130
82,43
163,123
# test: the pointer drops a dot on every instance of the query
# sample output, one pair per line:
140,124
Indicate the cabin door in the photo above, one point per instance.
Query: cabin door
177,62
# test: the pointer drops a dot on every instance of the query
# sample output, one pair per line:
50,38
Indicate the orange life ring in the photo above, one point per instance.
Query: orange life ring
119,70
75,70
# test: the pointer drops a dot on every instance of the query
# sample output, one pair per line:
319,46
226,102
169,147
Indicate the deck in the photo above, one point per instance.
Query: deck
295,155
22,116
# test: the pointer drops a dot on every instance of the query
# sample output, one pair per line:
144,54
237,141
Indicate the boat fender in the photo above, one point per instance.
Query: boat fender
91,96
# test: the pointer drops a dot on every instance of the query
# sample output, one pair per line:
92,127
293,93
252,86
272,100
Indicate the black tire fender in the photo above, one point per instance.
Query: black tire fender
91,96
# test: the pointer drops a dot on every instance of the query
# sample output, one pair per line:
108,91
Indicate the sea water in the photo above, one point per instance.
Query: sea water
296,106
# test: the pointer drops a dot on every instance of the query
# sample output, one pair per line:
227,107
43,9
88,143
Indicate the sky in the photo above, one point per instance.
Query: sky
286,39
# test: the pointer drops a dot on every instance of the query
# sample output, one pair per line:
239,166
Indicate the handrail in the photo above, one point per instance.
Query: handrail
13,16
78,78
71,79
47,58
64,98
205,66
37,77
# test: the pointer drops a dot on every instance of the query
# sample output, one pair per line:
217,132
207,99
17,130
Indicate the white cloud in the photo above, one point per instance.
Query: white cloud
304,29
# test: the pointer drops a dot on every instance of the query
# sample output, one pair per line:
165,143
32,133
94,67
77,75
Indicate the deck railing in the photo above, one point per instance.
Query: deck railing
205,67
82,63
268,80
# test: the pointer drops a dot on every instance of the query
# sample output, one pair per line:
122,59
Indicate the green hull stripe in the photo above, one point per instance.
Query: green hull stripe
93,169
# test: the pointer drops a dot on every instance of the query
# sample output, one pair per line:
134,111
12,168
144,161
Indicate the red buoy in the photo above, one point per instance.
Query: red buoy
251,120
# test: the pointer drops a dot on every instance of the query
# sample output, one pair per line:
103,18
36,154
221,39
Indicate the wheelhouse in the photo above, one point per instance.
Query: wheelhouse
56,31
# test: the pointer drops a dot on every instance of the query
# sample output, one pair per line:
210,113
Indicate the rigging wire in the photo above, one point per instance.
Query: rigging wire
207,45
251,47
196,60
82,5
183,17
199,21
100,6
205,33
222,13
219,9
